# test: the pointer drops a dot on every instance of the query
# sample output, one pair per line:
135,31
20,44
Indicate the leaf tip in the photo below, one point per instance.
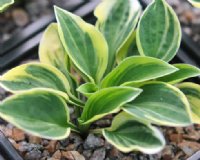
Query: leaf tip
57,9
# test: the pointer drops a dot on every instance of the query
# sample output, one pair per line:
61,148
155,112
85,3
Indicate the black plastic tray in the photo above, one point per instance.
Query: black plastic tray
7,151
24,43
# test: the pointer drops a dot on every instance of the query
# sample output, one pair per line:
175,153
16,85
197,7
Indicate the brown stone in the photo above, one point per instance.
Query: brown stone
178,155
167,157
51,147
189,147
35,140
114,152
57,155
67,155
167,153
193,135
18,135
177,138
6,131
70,147
179,130
189,129
188,15
20,17
72,155
16,145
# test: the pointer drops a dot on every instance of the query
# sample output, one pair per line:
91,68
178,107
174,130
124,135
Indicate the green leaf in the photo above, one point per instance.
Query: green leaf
84,44
5,3
129,49
87,89
128,134
51,50
137,69
34,75
53,53
117,20
161,104
196,3
192,92
39,112
185,71
107,101
159,31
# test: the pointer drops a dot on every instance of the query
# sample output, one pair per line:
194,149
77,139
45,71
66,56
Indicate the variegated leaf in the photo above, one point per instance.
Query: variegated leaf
107,101
159,31
52,52
128,49
192,92
5,3
84,44
34,75
128,134
161,104
87,89
185,71
117,20
196,3
39,112
137,69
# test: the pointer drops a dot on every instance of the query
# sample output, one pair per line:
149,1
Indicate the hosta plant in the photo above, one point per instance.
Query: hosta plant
196,3
5,3
118,67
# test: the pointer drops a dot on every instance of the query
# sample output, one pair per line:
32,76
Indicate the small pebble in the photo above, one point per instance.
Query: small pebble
27,147
18,135
20,17
35,140
99,154
51,146
72,155
115,153
87,153
33,155
93,142
57,155
176,138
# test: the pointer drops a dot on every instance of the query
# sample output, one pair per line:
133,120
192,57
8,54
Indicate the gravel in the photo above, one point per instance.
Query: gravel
93,142
33,155
182,143
99,154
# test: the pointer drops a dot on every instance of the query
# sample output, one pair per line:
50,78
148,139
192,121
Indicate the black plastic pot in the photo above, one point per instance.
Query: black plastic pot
7,151
24,43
